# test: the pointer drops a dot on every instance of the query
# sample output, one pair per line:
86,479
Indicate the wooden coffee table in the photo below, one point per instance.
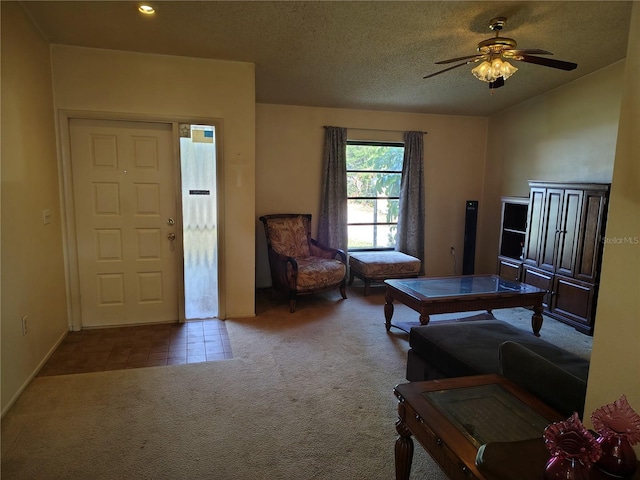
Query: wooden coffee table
432,295
452,418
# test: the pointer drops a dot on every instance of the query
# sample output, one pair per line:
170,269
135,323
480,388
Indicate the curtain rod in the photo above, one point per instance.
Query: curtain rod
374,129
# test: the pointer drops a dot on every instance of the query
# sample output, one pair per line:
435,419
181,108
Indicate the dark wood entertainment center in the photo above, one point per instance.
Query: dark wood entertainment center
553,240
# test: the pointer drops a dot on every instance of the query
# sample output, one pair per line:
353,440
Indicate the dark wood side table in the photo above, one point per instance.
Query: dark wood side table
452,418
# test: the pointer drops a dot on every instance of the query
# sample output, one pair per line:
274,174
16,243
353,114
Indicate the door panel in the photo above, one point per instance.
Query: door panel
124,193
550,229
534,225
573,300
509,269
569,231
540,279
590,245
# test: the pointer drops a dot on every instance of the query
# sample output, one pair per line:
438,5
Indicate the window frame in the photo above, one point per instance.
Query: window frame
348,171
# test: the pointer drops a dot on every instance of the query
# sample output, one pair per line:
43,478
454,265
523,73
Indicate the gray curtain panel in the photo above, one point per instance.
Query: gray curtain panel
332,227
410,238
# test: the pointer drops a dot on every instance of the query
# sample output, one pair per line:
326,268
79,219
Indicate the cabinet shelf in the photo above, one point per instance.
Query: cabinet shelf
513,227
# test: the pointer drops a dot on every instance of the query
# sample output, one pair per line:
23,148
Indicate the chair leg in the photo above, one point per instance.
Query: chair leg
343,291
292,302
367,286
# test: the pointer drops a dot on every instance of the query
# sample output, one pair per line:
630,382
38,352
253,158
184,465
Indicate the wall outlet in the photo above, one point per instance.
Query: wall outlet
25,325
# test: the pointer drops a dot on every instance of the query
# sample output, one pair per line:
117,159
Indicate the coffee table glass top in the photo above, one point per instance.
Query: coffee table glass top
488,413
464,285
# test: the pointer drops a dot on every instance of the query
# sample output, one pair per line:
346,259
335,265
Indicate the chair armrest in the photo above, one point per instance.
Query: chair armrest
552,384
320,250
278,264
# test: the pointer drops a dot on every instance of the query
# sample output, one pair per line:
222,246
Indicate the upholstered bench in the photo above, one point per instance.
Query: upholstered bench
381,265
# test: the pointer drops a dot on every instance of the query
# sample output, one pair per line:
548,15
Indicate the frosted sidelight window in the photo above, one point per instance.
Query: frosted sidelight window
199,212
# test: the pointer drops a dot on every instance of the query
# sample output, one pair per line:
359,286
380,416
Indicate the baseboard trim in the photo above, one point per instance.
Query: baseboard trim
33,374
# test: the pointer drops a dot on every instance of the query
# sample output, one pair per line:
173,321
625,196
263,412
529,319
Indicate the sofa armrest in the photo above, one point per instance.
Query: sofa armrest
555,386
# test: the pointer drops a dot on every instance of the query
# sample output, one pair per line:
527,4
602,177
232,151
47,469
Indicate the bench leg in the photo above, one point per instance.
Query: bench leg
388,311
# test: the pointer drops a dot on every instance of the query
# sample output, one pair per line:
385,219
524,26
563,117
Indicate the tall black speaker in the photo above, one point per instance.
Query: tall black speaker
470,224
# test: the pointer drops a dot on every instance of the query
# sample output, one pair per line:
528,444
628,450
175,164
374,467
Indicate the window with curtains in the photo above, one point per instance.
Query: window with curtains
374,172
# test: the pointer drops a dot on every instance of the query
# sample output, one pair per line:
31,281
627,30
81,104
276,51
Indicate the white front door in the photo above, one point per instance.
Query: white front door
125,215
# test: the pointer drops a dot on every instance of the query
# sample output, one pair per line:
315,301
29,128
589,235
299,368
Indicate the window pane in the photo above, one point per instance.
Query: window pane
374,174
371,236
374,157
369,184
372,211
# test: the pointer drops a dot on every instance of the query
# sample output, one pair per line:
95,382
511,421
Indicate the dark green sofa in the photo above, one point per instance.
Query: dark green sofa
463,348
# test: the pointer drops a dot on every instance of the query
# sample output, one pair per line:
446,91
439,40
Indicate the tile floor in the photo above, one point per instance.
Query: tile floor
118,348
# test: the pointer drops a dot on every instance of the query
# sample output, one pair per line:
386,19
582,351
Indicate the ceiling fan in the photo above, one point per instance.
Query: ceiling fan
494,53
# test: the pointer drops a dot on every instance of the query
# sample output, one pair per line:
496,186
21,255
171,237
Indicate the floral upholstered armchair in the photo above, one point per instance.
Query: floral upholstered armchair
299,264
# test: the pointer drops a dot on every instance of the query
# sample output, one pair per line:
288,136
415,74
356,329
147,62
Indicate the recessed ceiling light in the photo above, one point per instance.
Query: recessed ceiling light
146,9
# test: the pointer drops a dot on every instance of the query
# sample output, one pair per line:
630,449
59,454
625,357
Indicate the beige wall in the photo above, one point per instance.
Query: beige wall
289,151
109,81
114,83
585,131
615,360
33,281
537,140
568,134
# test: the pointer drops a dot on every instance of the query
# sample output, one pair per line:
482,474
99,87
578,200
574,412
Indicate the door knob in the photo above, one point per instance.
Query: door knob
171,221
171,236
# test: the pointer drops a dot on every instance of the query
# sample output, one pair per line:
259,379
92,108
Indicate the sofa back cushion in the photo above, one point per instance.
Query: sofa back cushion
552,384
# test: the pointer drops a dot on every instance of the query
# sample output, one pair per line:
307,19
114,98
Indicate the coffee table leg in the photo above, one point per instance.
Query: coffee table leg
403,451
424,319
536,320
388,311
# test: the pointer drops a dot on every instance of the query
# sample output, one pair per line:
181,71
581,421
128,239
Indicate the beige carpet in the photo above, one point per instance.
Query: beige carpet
307,395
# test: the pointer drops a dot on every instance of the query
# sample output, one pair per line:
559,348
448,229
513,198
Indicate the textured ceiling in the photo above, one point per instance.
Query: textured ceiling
361,54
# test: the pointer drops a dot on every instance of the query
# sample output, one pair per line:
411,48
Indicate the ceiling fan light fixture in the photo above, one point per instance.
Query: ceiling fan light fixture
505,68
146,9
490,72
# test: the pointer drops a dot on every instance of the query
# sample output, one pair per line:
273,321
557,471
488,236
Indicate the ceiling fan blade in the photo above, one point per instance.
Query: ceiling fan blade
526,51
451,60
548,62
450,68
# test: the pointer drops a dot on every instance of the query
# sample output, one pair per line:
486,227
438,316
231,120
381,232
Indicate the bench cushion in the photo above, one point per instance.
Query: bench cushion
472,348
381,265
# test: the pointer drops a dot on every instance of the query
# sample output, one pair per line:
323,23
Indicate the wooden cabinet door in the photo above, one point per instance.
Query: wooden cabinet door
541,279
573,300
550,229
509,269
590,241
534,226
569,232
